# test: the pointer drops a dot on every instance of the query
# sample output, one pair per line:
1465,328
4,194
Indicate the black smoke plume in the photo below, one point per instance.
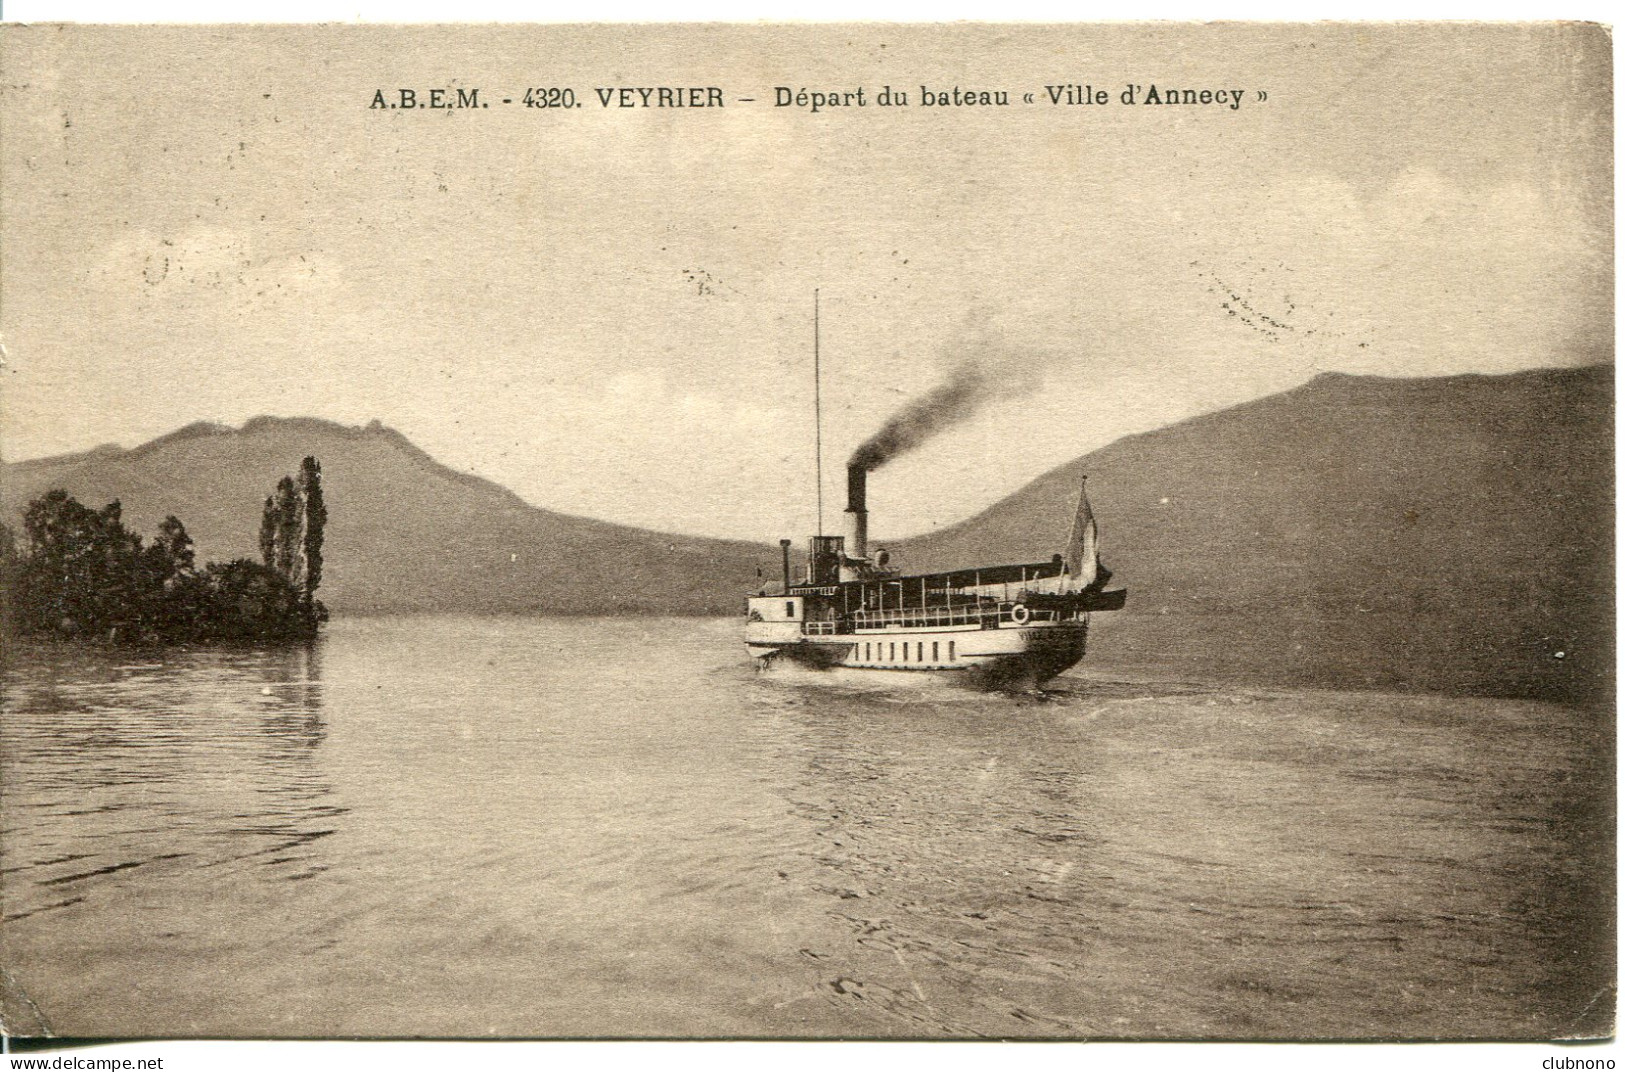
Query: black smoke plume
969,388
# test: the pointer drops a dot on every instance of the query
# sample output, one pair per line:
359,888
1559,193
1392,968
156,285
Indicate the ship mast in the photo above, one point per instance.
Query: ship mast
818,419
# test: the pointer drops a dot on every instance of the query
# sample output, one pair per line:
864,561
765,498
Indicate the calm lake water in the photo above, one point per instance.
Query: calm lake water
546,827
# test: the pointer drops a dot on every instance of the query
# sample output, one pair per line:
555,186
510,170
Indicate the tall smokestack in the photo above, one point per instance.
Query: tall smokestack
857,512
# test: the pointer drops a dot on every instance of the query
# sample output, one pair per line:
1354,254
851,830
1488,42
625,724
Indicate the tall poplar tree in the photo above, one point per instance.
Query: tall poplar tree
315,518
268,528
289,514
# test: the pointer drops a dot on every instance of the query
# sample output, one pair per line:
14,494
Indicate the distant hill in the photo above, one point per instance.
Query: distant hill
406,533
1452,533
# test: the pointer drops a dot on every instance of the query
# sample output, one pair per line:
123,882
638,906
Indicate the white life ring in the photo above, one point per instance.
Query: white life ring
1019,614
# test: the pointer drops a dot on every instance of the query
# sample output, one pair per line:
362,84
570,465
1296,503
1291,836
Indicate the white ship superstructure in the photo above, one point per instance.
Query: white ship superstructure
1014,625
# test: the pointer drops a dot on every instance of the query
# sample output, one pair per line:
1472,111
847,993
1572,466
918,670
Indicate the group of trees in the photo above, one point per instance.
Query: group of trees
83,573
291,531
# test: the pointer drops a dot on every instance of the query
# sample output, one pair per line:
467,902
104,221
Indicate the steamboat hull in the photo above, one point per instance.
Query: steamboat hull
1013,657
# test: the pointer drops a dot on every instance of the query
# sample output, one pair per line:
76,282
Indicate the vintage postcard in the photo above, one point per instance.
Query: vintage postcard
843,531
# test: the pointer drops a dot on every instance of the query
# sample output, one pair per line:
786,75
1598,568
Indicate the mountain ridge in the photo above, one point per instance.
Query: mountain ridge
452,540
1467,519
1447,532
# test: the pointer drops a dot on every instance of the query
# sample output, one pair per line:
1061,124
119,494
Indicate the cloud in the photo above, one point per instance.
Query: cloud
1422,276
205,268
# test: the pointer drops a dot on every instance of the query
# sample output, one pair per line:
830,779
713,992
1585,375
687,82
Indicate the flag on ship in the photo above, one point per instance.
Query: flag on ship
1083,546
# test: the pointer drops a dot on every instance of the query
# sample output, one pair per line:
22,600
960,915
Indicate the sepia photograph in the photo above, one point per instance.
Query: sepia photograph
790,531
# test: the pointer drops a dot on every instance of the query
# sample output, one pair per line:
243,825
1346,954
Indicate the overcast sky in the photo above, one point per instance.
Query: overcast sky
610,311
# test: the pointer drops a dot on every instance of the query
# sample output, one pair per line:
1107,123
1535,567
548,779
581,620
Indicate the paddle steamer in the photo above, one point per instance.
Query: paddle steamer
1003,626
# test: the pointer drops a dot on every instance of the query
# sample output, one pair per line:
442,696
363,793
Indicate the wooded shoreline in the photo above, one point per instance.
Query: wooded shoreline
83,574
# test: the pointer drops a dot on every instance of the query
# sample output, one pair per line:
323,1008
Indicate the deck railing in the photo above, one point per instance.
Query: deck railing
987,616
924,617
